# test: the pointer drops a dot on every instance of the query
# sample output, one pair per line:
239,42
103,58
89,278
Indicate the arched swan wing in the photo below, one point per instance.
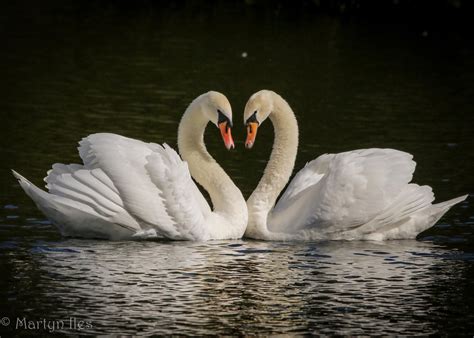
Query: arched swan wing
123,160
137,170
340,192
124,187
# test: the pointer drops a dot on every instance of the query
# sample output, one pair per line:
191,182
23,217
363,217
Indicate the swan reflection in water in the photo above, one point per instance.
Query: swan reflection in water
248,286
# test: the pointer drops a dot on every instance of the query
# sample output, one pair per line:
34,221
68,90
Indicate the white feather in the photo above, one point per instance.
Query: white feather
360,194
72,213
124,182
131,189
123,160
171,175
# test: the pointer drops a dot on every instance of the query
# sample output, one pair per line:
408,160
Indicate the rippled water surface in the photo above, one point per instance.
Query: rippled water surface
243,287
74,68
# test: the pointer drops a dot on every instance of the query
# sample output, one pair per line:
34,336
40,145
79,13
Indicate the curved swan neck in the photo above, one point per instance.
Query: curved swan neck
226,198
281,163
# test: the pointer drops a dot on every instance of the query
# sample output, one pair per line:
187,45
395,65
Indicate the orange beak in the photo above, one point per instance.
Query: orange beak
251,134
226,135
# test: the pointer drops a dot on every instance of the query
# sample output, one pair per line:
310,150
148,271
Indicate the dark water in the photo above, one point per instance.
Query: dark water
243,287
70,69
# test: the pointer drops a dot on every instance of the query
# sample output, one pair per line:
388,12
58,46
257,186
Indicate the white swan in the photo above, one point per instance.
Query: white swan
127,187
361,194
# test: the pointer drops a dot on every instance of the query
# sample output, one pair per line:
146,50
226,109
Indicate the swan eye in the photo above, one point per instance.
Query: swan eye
253,118
221,118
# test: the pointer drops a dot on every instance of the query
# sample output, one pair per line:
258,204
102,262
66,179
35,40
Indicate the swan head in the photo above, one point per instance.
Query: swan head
218,110
257,109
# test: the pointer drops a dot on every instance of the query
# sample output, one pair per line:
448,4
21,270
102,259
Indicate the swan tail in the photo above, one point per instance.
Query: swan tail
415,219
446,205
439,209
30,189
71,214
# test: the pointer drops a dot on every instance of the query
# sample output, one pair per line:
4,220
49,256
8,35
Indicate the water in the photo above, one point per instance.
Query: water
70,69
243,287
